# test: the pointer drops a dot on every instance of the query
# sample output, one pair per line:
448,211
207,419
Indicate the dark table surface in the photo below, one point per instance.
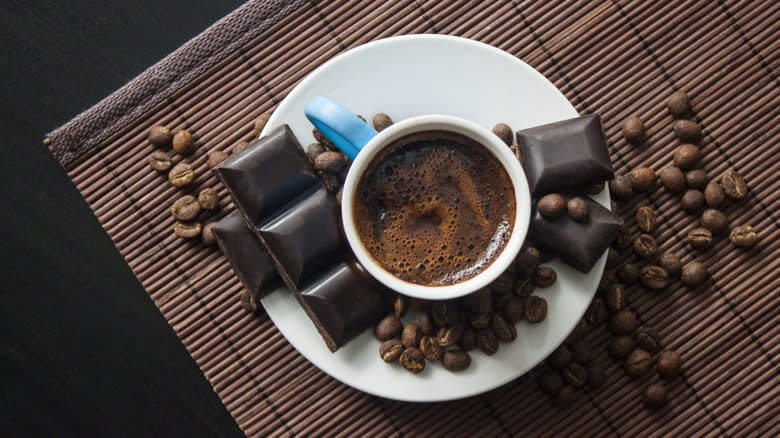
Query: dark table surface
83,350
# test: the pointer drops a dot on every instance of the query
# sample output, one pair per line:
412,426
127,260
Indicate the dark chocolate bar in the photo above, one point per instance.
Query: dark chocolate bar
565,156
248,257
579,244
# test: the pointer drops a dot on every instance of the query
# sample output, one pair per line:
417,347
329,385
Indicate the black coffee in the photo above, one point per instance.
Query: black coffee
435,208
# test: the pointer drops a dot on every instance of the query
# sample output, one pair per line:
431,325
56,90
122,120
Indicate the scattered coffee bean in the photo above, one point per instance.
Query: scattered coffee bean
449,336
700,239
185,208
623,322
505,332
412,360
616,297
642,179
715,221
504,132
456,360
613,258
577,209
714,195
314,150
634,130
388,328
679,105
480,320
687,131
686,156
514,309
645,219
400,306
390,350
669,364
645,245
620,347
527,261
672,179
411,334
565,396
487,342
607,279
628,273
535,309
320,138
183,143
181,175
468,340
734,186
503,284
445,313
381,121
330,161
560,357
578,332
654,396
480,301
596,312
638,363
208,234
743,236
545,276
425,322
551,382
208,199
594,189
692,201
654,277
260,123
671,264
215,158
694,274
430,348
187,230
596,377
551,206
359,116
696,179
620,187
239,147
160,161
622,237
648,339
581,353
575,375
339,195
160,136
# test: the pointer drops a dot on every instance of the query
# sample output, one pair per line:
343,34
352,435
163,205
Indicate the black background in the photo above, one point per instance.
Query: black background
83,350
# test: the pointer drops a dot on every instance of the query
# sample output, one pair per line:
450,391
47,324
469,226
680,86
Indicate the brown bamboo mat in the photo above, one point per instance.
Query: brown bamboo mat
616,58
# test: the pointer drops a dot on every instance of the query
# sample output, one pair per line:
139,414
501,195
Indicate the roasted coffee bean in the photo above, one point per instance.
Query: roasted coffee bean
187,230
160,161
596,377
527,261
185,208
743,236
445,313
504,132
623,322
425,322
181,175
607,279
672,179
613,206
671,264
634,130
208,199
448,336
320,138
620,347
514,309
700,239
503,284
561,357
577,209
654,396
686,156
645,219
330,161
715,221
390,350
616,297
208,234
456,360
714,195
613,258
622,237
260,123
551,206
638,363
183,142
247,302
679,105
578,332
339,195
160,136
565,396
620,187
535,309
594,189
239,148
669,364
412,360
381,121
313,151
648,339
696,179
431,349
388,328
597,312
400,306
505,332
582,353
480,301
575,375
694,274
687,131
468,340
692,201
524,286
487,342
216,158
654,277
480,320
545,276
628,273
551,382
642,179
734,186
645,246
411,334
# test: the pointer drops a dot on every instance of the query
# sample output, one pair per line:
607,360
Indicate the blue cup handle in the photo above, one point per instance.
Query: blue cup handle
343,128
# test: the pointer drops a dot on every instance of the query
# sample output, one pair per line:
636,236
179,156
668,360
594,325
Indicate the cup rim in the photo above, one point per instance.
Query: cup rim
481,135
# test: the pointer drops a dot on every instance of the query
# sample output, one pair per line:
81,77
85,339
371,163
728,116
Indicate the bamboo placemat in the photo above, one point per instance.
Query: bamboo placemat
616,58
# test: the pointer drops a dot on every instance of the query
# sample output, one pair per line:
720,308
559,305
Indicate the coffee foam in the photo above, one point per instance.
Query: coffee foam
434,208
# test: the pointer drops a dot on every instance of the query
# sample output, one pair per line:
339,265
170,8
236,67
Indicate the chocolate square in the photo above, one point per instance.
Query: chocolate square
565,156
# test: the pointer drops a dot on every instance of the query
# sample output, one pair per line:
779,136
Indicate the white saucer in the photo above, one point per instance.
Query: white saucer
429,74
